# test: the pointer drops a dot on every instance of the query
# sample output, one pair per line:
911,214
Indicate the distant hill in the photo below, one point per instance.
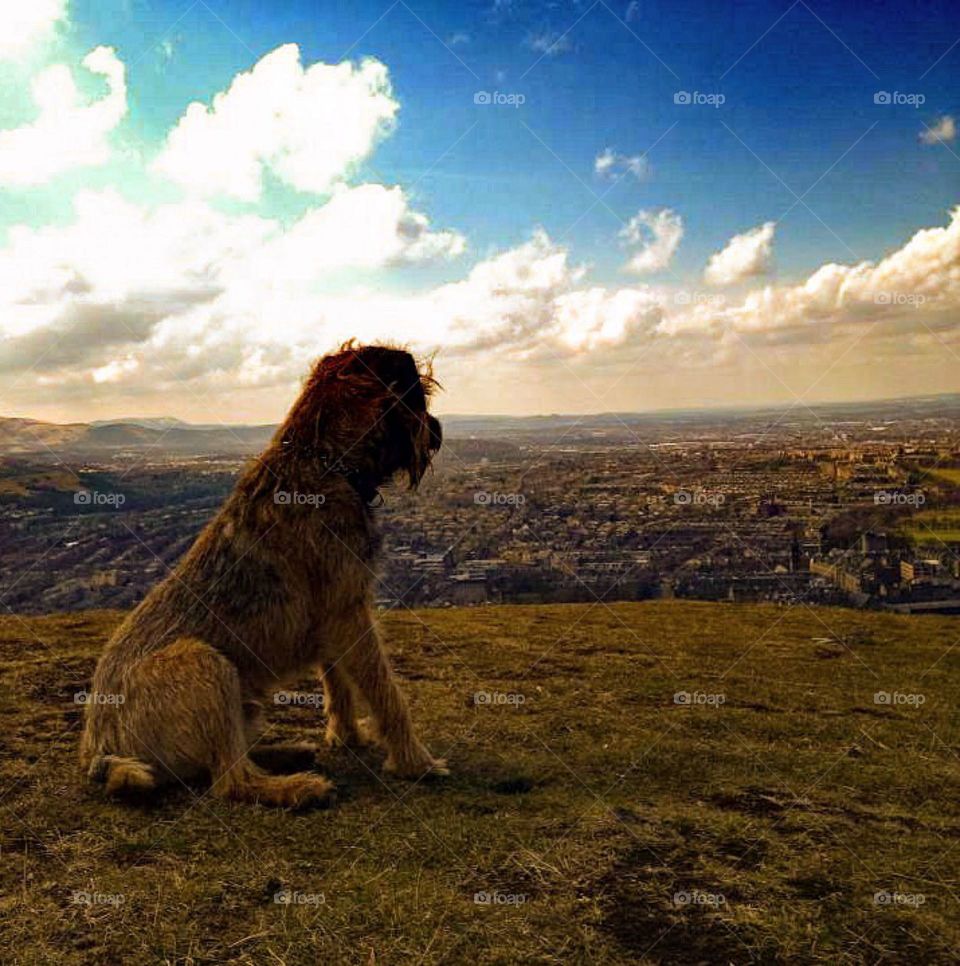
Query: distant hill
165,434
658,783
148,422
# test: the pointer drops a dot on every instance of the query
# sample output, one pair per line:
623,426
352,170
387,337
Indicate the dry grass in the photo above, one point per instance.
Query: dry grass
597,800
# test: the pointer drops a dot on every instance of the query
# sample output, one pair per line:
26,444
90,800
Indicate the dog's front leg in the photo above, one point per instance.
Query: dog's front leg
338,699
366,664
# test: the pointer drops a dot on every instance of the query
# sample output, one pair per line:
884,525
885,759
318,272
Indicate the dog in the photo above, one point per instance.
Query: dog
278,583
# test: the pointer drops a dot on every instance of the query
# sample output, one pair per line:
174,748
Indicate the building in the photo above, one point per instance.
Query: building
468,589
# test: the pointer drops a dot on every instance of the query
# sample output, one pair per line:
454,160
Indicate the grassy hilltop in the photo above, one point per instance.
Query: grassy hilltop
783,815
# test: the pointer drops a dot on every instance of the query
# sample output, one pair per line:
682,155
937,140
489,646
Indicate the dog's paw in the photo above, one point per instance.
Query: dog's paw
312,792
426,767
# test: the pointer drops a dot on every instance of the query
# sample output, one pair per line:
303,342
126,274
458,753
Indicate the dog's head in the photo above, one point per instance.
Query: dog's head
367,407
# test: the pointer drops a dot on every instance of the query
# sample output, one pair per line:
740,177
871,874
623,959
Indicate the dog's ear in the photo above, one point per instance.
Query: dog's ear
397,372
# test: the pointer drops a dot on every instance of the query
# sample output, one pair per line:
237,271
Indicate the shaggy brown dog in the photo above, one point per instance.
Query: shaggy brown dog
279,581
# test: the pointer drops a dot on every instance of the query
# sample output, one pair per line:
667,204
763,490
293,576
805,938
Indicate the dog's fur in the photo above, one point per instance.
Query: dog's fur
269,590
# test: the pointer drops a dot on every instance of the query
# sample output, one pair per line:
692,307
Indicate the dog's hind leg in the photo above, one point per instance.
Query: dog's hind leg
185,715
227,731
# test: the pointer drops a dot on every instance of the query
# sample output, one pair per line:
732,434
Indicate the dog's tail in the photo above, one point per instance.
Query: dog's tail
122,776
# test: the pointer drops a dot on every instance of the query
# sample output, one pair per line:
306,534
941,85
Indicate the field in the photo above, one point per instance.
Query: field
944,475
933,526
18,482
669,782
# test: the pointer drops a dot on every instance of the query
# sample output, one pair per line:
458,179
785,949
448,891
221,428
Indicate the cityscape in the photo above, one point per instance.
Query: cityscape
853,505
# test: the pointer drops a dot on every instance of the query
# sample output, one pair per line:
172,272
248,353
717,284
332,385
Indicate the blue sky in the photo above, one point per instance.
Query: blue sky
799,97
799,141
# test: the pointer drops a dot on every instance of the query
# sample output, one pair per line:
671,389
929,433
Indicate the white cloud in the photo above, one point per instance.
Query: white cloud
25,22
604,162
310,127
368,226
67,133
608,161
185,300
659,233
520,303
122,276
589,319
549,43
744,256
916,286
942,131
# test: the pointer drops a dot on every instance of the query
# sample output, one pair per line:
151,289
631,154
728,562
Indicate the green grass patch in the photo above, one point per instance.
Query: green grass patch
951,476
778,813
933,526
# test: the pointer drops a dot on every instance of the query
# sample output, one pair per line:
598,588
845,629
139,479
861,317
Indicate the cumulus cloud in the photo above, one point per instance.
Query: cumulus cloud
25,22
590,319
744,256
917,286
203,301
608,162
309,127
526,301
942,131
368,226
67,133
203,298
122,276
658,233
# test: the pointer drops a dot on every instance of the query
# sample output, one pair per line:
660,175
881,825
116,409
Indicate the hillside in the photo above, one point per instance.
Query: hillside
782,815
19,436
